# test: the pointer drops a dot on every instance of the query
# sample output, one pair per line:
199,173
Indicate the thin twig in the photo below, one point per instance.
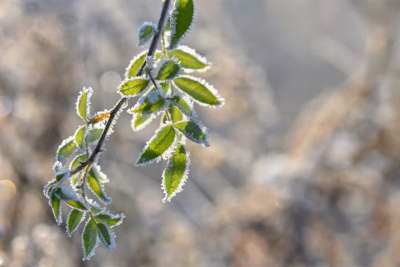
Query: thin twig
119,106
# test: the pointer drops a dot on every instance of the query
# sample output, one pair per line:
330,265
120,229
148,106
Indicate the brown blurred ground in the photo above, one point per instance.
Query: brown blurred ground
304,164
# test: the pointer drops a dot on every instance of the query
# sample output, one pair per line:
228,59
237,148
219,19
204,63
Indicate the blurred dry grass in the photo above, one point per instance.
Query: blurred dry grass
303,167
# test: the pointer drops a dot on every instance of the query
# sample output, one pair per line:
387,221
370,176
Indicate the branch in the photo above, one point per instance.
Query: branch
119,106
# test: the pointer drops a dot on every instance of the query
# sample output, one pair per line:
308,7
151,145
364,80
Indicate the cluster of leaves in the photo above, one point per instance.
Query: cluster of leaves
164,86
71,188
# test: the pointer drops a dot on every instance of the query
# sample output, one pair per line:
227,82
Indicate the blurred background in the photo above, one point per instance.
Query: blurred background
303,168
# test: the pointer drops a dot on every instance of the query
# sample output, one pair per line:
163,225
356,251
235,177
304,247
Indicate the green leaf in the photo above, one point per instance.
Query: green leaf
66,149
94,134
185,105
182,19
140,121
75,218
157,145
89,239
135,65
176,114
175,175
79,136
199,90
83,103
55,204
133,86
100,176
77,161
110,219
168,70
96,187
146,32
149,103
62,174
76,204
165,87
189,59
106,236
193,132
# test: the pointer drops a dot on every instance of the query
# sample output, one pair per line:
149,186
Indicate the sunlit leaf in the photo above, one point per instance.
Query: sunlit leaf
89,239
175,114
157,145
97,172
77,161
199,90
133,86
168,70
79,136
135,65
182,18
175,175
75,218
193,132
185,105
140,121
189,59
66,149
149,103
83,103
146,32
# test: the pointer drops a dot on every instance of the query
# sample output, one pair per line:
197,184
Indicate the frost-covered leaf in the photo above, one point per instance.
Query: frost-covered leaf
199,90
97,172
66,149
185,105
149,103
157,145
181,20
140,121
62,174
76,204
96,187
175,175
75,218
89,239
77,161
133,86
168,70
49,188
106,236
79,136
64,193
55,204
135,65
189,59
110,219
83,103
100,117
146,32
94,134
193,132
165,87
176,114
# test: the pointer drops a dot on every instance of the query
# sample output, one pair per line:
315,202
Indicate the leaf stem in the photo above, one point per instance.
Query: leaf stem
122,101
